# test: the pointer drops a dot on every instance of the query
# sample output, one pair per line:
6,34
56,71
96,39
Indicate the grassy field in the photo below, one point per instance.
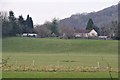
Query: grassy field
60,52
59,46
59,75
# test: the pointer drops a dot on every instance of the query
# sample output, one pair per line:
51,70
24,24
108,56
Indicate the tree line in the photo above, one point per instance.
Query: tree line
48,29
51,29
12,26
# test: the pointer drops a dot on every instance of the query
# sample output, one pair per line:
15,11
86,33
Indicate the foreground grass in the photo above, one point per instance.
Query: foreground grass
56,52
61,59
58,75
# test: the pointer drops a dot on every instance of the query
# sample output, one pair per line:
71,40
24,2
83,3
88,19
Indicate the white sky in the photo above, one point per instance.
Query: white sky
46,10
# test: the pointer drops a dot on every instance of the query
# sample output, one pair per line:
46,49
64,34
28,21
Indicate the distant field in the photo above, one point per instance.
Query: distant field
59,46
60,52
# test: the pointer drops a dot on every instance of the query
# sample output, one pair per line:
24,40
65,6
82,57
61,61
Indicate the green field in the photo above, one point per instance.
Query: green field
68,54
59,75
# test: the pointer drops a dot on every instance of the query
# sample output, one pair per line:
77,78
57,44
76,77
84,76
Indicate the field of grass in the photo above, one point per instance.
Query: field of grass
59,75
60,52
59,46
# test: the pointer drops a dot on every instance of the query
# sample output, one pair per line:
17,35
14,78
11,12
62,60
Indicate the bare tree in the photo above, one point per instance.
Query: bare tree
66,31
3,15
114,29
110,30
42,31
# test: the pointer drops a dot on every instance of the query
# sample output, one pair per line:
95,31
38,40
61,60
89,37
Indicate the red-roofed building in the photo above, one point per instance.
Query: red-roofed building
82,33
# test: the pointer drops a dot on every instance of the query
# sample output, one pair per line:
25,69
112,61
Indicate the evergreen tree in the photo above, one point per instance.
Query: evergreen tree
5,28
13,24
90,26
21,19
29,24
21,24
54,27
11,16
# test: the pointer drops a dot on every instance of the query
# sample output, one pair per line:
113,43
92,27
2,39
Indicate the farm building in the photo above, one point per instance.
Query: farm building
103,37
29,35
85,33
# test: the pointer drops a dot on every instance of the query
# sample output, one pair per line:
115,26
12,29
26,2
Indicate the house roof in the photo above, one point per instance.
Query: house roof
82,31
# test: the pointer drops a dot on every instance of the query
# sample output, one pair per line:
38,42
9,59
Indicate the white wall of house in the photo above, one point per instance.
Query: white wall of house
92,33
81,35
78,35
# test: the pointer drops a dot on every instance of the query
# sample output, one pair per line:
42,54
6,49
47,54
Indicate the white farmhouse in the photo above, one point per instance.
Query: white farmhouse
86,33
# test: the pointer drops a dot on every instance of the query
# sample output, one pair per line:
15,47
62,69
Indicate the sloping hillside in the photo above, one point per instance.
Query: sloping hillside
100,18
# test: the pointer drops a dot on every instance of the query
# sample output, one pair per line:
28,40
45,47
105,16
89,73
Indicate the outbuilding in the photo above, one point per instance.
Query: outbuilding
29,35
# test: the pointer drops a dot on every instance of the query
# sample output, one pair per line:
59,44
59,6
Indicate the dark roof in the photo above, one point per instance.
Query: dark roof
82,31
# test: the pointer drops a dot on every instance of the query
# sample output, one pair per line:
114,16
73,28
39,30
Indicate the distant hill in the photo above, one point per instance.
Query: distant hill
100,18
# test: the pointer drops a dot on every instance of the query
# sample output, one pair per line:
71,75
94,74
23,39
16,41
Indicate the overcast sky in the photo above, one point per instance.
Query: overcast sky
46,10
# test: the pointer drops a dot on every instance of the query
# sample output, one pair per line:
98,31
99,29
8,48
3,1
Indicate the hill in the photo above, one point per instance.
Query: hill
100,18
